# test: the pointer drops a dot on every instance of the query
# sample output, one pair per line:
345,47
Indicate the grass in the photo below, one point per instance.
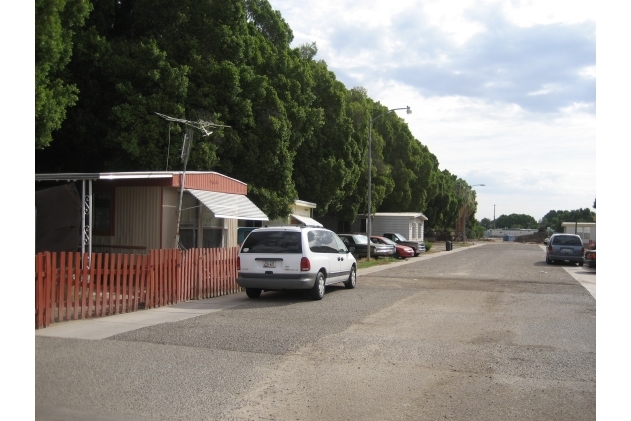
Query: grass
363,263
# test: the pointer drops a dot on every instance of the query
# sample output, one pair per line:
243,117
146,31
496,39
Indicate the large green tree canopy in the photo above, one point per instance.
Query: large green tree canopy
554,219
516,221
105,68
55,25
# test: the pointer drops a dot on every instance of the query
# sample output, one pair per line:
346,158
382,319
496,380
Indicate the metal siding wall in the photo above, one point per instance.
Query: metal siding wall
385,224
231,234
170,199
211,182
138,217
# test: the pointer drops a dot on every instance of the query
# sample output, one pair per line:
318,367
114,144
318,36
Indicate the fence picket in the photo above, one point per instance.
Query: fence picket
69,286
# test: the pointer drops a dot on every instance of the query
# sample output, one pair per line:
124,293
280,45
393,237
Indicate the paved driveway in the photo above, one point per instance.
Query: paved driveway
485,333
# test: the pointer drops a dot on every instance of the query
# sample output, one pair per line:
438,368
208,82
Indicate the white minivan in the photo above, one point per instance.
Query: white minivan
294,257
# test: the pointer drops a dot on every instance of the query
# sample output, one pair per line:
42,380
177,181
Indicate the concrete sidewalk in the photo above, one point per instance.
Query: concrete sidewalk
104,327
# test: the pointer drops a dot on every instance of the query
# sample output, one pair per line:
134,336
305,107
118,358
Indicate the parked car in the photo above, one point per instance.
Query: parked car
400,251
590,258
565,248
360,243
418,246
294,257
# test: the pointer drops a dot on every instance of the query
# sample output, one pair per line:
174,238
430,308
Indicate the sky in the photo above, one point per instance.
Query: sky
503,93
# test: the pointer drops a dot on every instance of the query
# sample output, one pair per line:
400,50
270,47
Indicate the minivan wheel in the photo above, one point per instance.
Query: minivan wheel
253,292
317,292
352,279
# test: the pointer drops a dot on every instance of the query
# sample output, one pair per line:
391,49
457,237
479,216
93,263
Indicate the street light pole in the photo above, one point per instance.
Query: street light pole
369,221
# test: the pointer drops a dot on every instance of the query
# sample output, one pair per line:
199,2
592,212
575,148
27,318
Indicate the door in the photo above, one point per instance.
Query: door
344,258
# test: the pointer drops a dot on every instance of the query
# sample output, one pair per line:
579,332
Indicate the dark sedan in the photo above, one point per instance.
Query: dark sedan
360,242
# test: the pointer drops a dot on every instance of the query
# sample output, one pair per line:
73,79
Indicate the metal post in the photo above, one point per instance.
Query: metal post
86,220
369,222
82,218
90,222
186,147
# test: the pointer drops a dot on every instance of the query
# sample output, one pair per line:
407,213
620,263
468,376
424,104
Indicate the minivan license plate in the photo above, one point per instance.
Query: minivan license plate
269,264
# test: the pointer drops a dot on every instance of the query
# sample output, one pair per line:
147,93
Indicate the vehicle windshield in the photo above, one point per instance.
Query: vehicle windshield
360,239
400,237
387,241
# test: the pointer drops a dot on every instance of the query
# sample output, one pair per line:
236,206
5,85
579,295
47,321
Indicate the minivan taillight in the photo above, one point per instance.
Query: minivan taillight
550,248
582,250
305,264
238,263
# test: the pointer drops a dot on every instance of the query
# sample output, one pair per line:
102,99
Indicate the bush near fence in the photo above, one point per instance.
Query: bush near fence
71,287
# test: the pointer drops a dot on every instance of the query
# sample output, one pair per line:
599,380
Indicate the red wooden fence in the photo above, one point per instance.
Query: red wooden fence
68,287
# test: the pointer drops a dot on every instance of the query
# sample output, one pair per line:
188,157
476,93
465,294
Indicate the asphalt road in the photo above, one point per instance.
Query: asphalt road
489,333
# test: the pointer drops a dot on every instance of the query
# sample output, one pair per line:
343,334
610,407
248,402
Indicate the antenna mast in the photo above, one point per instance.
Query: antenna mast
206,128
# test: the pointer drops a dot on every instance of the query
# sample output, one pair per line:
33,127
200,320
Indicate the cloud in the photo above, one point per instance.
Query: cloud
502,92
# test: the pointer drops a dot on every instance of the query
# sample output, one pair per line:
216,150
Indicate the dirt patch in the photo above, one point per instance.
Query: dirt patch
532,238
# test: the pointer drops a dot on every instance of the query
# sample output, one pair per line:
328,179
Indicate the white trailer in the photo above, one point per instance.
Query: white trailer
409,224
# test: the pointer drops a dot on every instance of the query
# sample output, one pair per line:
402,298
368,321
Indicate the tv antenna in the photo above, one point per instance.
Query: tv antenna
206,128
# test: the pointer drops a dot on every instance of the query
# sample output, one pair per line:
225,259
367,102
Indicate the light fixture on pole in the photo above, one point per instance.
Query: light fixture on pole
369,219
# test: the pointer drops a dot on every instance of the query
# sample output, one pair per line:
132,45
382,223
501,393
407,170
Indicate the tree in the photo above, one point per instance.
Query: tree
555,219
467,205
486,223
443,206
55,24
334,165
516,221
295,130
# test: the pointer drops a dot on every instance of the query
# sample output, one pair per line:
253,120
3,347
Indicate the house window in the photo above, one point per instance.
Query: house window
189,221
103,213
213,227
343,227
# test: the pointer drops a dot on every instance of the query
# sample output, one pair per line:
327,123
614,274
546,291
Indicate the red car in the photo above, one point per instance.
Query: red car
401,252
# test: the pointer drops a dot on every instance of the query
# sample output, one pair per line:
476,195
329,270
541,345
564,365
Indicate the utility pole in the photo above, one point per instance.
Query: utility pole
493,216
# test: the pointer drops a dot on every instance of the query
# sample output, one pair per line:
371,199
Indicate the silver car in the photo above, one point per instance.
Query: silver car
565,248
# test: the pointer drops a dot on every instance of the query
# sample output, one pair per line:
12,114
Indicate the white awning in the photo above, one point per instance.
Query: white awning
228,205
306,220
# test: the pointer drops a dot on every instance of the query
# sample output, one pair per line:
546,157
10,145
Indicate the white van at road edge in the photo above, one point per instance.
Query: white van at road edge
294,257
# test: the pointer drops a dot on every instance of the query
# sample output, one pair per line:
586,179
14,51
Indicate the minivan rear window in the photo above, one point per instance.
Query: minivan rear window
567,240
272,242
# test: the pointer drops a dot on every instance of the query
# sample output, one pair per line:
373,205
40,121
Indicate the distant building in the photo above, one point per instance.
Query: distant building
515,232
586,230
301,213
409,224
